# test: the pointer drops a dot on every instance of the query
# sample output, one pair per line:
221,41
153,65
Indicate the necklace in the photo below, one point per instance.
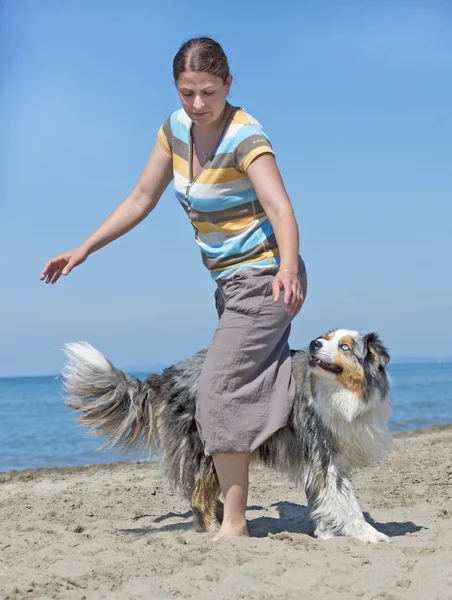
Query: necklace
205,156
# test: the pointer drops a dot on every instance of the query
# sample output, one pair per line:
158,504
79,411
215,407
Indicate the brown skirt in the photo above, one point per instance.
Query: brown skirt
246,389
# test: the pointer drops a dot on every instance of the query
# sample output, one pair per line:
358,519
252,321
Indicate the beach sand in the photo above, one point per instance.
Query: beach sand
118,532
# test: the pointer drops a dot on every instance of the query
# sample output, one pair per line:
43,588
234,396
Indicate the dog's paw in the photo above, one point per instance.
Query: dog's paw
369,535
322,533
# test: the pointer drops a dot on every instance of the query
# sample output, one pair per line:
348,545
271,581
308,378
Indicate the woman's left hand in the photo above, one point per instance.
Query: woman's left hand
289,283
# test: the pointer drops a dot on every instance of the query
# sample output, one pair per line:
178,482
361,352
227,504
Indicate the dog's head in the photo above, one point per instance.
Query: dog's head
351,369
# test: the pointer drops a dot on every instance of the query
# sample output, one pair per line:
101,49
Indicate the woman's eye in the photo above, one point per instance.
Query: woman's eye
186,94
208,93
345,347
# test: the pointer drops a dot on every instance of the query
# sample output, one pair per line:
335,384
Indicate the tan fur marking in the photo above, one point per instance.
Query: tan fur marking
352,376
374,354
320,483
328,336
204,502
314,380
346,340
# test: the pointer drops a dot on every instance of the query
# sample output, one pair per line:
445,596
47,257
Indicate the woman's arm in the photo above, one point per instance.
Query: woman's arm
156,176
266,179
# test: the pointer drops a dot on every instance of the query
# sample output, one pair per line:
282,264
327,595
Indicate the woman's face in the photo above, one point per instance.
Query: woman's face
203,96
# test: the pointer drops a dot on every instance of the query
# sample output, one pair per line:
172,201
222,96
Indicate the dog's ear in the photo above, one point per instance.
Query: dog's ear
376,350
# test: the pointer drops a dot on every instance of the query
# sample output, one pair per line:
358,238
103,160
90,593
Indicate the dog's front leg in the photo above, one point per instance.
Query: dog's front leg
335,509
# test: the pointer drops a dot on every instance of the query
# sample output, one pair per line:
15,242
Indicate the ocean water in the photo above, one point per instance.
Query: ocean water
37,428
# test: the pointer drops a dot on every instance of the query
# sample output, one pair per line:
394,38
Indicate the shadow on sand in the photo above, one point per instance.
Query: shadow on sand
292,518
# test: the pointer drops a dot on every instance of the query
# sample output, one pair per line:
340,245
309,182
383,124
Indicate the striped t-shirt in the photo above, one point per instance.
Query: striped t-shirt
231,227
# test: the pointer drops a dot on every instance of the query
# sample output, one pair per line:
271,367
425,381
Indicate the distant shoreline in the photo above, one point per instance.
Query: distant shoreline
30,473
158,368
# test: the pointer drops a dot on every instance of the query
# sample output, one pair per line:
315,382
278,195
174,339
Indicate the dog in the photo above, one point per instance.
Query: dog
338,424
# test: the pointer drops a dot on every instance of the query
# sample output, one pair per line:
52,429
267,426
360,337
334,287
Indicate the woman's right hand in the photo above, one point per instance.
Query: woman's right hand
63,264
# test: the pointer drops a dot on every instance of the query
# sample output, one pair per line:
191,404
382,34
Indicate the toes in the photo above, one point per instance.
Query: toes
374,537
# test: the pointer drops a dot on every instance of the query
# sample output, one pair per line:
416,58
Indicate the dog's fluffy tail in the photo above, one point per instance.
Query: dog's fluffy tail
110,403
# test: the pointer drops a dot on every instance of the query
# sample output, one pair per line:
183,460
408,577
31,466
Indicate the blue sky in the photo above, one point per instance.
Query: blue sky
357,100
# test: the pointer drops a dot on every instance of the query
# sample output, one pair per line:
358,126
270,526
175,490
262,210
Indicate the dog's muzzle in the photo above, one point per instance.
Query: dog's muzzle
314,361
314,346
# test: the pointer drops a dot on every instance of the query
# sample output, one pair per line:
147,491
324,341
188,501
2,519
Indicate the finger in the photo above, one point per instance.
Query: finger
300,302
293,296
68,268
294,307
50,274
298,306
288,295
276,291
56,276
53,265
47,267
297,299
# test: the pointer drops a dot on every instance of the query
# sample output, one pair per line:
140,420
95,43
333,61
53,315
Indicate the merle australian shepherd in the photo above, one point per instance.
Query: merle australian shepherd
338,423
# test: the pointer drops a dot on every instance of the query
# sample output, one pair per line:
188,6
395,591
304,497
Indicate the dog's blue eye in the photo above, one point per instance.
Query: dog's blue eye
345,347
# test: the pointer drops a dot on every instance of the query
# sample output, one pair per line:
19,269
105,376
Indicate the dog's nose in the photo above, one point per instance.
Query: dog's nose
314,345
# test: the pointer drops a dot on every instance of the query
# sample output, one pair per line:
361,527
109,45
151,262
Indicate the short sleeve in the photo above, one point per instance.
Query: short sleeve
164,136
252,144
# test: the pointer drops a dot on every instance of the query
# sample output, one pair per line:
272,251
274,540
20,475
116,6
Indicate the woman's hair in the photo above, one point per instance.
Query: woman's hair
201,54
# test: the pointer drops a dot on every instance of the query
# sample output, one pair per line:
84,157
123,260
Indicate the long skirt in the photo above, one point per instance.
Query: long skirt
246,389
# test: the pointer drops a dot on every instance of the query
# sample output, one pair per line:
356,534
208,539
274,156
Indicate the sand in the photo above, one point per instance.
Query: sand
118,532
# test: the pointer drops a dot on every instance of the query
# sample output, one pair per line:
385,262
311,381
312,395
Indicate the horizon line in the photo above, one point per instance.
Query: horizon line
151,368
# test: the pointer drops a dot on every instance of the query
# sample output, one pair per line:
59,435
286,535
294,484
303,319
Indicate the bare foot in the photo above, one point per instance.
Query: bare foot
229,531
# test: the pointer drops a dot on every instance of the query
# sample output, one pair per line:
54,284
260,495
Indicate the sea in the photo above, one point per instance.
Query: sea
37,429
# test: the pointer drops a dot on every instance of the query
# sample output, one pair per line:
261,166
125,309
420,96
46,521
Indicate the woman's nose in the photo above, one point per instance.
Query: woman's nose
198,102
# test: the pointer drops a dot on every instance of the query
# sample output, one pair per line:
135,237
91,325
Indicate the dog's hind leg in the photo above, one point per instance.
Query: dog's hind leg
335,509
207,510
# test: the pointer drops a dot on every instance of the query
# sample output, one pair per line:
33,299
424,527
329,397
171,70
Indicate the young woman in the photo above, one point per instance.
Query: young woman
227,181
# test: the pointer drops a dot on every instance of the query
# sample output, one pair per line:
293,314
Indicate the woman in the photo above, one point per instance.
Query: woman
226,179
